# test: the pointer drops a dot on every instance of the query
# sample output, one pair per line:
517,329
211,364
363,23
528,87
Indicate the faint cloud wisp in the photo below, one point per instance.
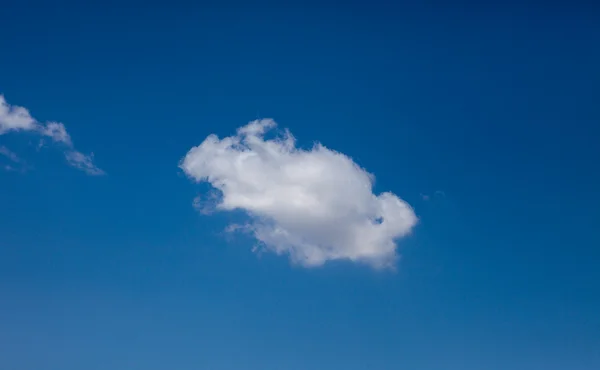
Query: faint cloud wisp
16,118
18,164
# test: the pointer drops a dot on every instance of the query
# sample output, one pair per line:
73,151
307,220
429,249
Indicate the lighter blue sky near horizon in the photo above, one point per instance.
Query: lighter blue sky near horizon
484,119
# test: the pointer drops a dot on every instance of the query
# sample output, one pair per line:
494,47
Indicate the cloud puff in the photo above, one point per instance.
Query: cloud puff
315,205
57,132
15,118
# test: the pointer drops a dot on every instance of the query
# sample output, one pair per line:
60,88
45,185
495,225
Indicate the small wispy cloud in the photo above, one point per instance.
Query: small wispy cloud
17,165
436,194
314,205
57,132
16,118
9,154
83,162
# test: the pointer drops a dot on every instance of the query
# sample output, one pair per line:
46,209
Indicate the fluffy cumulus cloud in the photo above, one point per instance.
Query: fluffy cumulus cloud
314,205
15,118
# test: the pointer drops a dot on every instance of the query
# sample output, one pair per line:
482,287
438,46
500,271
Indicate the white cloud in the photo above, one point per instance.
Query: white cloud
15,118
83,162
314,205
57,132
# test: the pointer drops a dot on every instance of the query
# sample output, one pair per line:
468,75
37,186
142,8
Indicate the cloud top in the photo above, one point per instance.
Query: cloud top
15,118
314,205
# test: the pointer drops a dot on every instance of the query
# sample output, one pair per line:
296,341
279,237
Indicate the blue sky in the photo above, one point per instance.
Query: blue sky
483,119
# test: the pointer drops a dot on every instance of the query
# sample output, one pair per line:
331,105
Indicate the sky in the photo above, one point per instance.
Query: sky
299,186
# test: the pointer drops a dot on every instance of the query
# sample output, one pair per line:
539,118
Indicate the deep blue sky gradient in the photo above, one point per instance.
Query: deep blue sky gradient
495,105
